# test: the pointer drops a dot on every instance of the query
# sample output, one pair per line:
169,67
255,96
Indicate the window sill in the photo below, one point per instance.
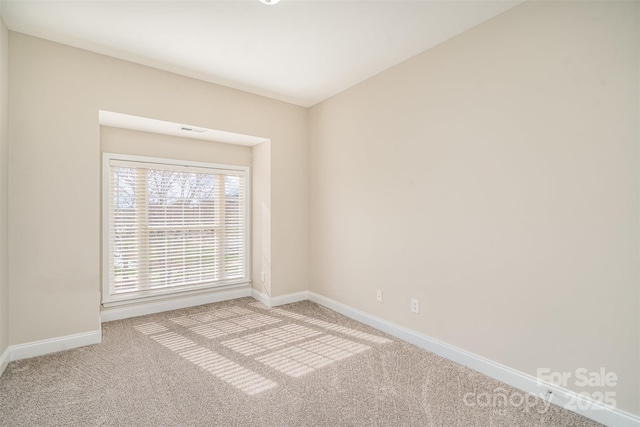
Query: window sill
165,294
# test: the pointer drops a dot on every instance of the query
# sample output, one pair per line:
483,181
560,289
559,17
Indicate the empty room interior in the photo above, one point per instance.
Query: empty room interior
320,213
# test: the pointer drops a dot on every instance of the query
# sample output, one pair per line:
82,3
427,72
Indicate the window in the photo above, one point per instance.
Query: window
172,226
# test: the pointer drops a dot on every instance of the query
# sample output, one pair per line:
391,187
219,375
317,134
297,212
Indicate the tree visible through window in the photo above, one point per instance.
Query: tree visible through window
174,227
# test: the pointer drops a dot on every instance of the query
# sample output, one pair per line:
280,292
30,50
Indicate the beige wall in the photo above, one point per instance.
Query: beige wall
124,141
495,178
290,211
261,218
4,110
54,209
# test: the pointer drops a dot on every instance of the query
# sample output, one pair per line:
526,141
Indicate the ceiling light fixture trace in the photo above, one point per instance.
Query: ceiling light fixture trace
269,2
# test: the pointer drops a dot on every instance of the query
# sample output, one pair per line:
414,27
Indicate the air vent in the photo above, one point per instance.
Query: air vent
188,129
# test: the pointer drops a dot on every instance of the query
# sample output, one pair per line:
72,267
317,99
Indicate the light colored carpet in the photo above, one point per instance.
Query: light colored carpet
238,363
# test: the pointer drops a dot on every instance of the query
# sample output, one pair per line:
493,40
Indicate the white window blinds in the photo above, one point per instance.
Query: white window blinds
173,227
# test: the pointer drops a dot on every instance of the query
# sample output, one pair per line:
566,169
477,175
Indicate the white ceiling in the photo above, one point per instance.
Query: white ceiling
299,51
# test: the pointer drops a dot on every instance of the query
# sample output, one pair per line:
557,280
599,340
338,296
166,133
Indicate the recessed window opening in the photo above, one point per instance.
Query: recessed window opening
172,226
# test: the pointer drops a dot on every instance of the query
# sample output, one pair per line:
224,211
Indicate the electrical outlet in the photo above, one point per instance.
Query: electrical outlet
415,306
379,295
262,276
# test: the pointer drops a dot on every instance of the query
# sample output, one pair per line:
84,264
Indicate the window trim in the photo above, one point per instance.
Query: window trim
107,299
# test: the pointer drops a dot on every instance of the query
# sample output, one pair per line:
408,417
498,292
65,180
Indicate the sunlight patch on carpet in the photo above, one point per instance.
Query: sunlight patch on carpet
210,316
230,372
173,341
306,357
291,348
224,369
221,314
185,321
333,327
151,328
270,339
230,326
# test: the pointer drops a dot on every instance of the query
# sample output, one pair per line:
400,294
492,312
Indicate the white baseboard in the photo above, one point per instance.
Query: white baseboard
263,298
289,298
134,310
520,380
280,300
4,360
38,348
525,382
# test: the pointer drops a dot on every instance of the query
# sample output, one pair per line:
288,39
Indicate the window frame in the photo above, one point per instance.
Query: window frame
107,299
